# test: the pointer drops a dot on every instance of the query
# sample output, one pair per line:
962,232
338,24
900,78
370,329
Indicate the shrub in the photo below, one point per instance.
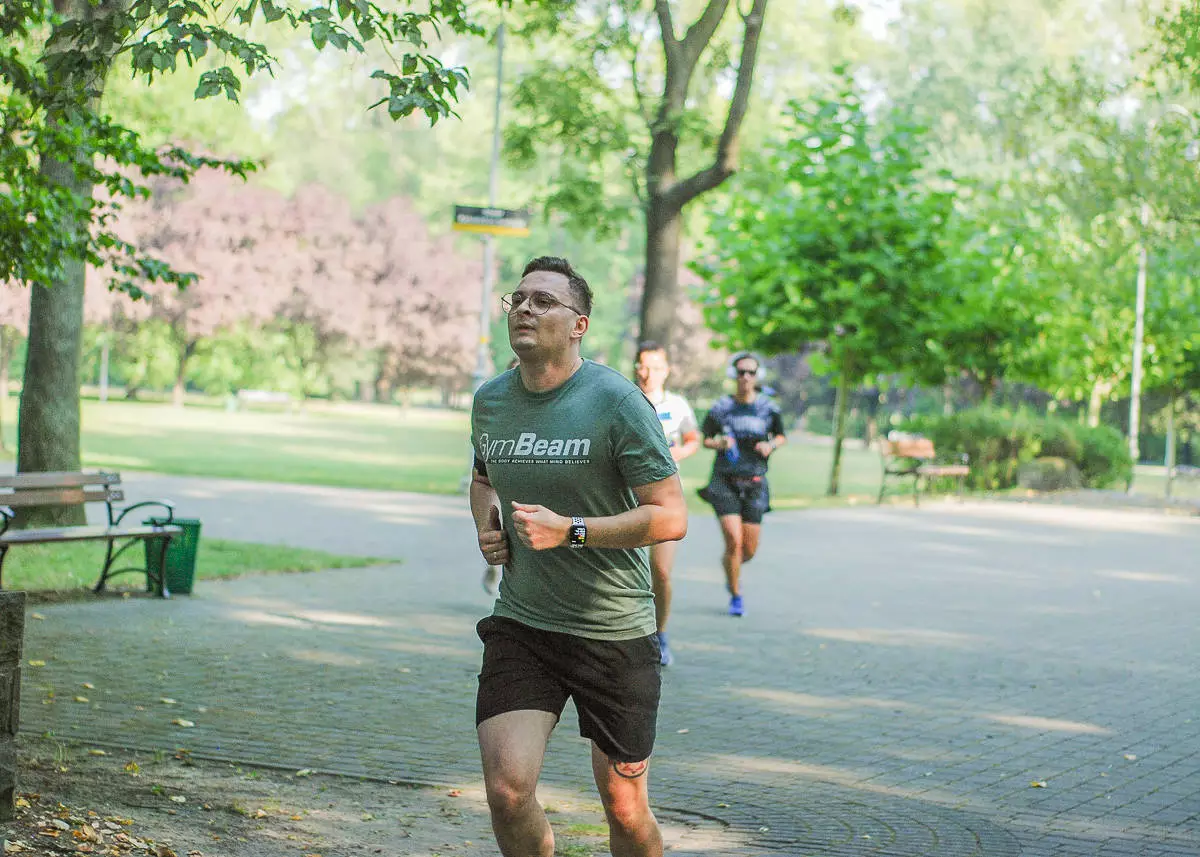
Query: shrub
999,442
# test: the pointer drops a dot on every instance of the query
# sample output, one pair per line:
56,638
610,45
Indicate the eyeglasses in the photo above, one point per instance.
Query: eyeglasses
744,373
540,303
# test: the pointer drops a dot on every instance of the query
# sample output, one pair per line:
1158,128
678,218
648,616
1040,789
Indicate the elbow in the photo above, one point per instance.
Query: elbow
678,526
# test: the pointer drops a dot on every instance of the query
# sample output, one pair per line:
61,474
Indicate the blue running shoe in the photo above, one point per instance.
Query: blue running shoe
735,606
664,650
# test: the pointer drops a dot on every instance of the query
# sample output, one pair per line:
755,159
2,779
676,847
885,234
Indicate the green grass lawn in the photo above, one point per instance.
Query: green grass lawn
386,447
64,567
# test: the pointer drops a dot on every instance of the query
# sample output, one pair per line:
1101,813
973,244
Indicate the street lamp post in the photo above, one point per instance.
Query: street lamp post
483,357
1139,325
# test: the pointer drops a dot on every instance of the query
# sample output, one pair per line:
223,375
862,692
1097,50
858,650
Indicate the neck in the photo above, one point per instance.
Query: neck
747,397
654,393
542,376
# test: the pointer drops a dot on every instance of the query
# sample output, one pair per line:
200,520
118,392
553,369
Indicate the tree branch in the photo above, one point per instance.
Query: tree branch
701,33
663,9
725,162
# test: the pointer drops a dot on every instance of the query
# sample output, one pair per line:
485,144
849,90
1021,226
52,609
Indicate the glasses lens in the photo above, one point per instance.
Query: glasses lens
746,372
542,302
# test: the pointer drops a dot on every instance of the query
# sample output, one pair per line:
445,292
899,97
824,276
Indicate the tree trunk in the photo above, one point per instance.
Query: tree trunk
841,407
664,227
1169,458
1096,402
666,193
185,355
5,362
48,423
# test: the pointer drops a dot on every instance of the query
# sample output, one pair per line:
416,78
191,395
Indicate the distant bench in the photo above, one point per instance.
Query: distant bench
905,457
73,489
1186,471
264,397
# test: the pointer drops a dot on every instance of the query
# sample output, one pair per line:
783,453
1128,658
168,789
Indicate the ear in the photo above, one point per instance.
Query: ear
582,323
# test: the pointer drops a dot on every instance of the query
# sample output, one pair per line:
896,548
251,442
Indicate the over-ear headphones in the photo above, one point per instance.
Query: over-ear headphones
731,370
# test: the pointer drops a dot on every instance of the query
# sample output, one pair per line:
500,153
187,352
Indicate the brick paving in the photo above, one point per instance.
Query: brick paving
901,678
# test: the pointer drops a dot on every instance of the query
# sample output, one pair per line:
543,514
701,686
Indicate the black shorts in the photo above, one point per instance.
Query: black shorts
748,497
615,683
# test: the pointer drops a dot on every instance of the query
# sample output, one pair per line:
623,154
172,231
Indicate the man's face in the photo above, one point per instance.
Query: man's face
652,370
532,330
747,374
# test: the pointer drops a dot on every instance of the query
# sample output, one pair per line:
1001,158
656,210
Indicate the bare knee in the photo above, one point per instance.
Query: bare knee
627,814
748,552
733,543
510,798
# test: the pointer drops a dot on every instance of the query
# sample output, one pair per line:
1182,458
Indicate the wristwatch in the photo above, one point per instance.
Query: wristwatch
577,534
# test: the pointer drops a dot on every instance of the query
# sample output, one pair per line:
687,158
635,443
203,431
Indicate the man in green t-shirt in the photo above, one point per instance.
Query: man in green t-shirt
573,479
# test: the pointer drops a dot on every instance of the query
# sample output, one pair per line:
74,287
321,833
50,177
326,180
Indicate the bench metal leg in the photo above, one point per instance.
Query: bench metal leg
3,554
108,561
163,592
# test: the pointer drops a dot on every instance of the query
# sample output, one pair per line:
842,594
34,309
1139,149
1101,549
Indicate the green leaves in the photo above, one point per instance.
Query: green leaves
832,237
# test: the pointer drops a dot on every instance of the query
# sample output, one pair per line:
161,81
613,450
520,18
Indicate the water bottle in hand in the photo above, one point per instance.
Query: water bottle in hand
731,454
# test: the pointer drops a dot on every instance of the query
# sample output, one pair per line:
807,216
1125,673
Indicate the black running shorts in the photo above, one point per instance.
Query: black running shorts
732,496
615,683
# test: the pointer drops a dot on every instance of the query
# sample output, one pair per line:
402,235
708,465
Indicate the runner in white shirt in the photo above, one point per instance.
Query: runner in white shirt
683,436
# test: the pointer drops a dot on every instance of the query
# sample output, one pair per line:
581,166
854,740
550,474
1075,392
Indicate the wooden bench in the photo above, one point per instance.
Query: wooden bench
915,457
73,489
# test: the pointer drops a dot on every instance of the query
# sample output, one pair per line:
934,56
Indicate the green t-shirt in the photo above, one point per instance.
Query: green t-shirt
578,450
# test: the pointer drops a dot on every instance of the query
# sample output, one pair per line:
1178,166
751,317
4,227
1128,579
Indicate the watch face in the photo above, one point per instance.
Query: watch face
577,536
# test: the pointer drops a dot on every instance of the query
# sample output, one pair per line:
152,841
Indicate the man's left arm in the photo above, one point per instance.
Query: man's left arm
660,516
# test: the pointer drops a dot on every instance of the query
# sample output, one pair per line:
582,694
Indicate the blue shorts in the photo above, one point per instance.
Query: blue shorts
746,496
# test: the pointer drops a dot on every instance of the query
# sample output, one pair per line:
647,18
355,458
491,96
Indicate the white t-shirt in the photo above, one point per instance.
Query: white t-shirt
676,417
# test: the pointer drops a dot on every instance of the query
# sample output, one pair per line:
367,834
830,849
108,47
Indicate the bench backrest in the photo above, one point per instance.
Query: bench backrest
909,447
60,489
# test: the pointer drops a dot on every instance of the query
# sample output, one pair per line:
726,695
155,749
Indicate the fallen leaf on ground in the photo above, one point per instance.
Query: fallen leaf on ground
1132,757
36,616
37,663
82,699
179,721
681,731
95,752
88,685
178,799
1037,784
454,793
166,700
132,767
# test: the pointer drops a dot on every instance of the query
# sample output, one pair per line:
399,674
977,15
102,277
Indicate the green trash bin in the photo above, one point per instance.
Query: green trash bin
181,555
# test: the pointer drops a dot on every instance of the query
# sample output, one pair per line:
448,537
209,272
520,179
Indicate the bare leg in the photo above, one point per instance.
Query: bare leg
731,529
750,536
662,558
513,746
624,791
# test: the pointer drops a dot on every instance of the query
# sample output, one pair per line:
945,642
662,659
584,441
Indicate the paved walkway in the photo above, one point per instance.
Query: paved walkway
901,679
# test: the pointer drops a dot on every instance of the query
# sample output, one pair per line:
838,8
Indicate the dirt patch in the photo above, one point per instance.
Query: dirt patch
80,799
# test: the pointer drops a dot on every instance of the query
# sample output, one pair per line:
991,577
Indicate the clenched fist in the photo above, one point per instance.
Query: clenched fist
539,528
493,542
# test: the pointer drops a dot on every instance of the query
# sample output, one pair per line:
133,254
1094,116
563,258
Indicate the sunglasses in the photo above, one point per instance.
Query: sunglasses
744,373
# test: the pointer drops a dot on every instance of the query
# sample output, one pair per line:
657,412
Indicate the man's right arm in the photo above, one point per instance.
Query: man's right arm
485,509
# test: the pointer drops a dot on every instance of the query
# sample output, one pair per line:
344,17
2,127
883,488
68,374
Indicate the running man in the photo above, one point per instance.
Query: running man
744,429
683,437
573,478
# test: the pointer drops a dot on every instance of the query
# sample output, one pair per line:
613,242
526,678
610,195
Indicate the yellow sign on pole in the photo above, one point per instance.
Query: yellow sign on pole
491,221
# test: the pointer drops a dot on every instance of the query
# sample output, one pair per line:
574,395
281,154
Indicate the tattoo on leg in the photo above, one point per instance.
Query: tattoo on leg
631,770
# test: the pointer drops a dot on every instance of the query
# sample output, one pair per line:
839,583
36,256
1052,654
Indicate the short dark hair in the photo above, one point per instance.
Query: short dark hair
651,345
581,292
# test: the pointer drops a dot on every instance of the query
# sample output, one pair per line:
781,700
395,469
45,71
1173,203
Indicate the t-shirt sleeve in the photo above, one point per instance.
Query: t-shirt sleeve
775,423
688,423
638,443
712,421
